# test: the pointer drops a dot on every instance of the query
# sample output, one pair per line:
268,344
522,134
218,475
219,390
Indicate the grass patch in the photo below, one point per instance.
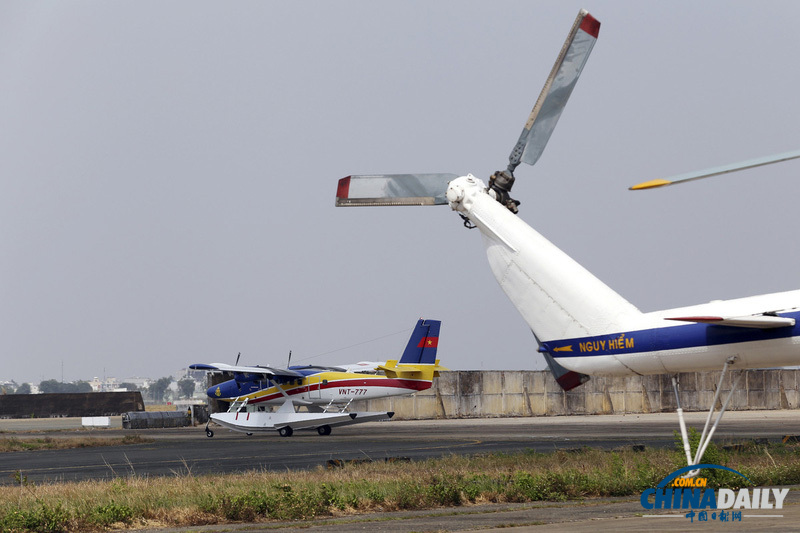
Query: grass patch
14,444
187,500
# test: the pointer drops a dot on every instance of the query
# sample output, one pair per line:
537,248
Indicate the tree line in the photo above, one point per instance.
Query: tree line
156,392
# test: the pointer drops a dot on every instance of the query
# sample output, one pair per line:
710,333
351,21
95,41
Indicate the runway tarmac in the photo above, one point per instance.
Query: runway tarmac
178,449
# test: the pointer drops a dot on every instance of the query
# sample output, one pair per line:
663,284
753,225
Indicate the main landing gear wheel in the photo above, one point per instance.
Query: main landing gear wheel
285,431
209,433
324,430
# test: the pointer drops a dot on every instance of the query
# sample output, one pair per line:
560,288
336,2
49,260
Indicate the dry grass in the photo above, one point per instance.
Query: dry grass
14,444
187,500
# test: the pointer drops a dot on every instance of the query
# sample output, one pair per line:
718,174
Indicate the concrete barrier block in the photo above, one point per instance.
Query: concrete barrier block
772,380
634,402
618,385
633,384
535,382
470,406
705,397
512,381
403,406
426,407
615,402
492,383
555,403
594,385
470,383
792,397
551,386
789,379
447,383
595,403
96,421
755,380
575,402
739,401
515,405
492,405
756,399
449,404
538,404
772,399
687,381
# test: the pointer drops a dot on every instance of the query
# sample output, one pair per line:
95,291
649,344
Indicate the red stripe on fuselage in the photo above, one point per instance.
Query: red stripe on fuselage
408,384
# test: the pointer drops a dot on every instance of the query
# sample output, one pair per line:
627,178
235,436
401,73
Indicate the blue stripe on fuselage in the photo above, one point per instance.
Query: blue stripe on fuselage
666,338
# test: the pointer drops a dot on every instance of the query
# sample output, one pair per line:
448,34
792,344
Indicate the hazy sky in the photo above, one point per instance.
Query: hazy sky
169,171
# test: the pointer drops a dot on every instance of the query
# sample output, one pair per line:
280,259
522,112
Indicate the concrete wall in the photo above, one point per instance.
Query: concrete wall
69,404
465,394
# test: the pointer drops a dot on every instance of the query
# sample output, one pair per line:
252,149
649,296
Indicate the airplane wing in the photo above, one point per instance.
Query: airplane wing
362,367
752,321
258,370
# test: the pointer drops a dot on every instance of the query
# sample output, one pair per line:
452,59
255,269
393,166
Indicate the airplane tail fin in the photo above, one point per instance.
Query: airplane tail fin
419,358
422,345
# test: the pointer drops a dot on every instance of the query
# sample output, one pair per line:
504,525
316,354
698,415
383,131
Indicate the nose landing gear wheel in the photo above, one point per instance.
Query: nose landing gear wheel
285,431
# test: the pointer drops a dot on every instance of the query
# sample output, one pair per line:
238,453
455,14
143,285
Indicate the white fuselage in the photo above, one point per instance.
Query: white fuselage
589,328
325,388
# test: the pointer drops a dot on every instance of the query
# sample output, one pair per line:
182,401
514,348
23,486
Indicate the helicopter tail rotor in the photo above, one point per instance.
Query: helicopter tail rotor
547,110
430,189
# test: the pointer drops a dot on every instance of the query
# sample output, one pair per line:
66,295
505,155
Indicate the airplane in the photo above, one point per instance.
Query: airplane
325,391
583,327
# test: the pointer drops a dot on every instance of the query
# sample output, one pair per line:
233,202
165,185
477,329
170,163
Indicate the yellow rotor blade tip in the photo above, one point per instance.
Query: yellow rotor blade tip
652,184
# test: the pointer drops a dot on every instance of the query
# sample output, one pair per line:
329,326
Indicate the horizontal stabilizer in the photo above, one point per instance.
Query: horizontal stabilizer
414,371
753,321
393,189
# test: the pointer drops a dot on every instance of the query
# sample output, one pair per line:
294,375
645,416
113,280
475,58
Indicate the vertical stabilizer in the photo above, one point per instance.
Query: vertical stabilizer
557,297
421,347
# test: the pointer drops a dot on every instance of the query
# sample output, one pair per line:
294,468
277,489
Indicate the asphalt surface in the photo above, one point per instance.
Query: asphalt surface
179,450
188,449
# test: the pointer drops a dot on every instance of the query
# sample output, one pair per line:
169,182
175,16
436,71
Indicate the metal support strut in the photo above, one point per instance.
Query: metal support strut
705,437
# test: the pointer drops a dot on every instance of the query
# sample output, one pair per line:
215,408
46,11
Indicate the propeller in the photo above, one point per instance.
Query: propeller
429,189
716,171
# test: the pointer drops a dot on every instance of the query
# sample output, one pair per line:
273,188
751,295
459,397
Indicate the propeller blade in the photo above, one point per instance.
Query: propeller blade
707,173
556,91
393,189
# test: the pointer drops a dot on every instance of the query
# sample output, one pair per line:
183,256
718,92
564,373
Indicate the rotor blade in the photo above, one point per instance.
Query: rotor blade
556,91
707,173
393,189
